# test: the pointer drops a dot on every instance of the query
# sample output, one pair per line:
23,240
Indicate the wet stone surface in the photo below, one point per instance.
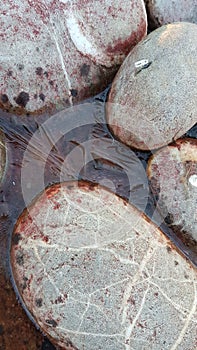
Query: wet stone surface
153,96
56,53
98,274
111,164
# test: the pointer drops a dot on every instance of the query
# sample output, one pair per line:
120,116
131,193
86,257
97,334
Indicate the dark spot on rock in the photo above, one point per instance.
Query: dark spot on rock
91,186
17,237
131,301
4,98
39,70
20,66
38,302
52,323
22,99
20,258
37,49
74,92
42,97
24,285
66,102
176,263
35,96
69,344
51,82
9,73
168,218
70,187
46,74
56,206
84,70
169,249
1,329
59,300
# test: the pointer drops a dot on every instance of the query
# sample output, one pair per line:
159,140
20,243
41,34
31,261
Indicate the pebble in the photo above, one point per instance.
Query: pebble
95,273
161,12
172,172
56,53
153,96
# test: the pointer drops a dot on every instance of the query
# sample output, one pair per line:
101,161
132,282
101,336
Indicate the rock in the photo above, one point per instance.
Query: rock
161,12
56,53
153,96
2,156
96,274
172,172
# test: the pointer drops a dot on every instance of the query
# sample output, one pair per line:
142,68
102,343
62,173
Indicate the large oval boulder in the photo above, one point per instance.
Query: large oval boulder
56,53
95,273
153,96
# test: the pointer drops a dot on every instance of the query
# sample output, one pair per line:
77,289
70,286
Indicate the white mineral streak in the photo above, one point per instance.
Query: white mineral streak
125,290
57,37
187,321
81,40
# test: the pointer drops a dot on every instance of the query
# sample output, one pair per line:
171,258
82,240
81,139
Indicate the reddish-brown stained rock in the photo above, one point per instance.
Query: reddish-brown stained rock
153,96
161,12
55,53
96,274
173,175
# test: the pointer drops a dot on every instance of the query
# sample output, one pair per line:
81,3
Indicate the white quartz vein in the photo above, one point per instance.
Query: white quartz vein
187,322
151,250
130,328
47,275
56,37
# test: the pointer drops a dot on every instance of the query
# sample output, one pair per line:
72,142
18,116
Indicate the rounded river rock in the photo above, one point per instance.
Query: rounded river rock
161,12
172,172
56,53
153,96
96,274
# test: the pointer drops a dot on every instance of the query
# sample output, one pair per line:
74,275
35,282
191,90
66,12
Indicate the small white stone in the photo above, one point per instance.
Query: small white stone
193,180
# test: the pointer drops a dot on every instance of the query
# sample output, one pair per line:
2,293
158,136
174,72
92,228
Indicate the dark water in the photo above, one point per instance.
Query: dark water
73,144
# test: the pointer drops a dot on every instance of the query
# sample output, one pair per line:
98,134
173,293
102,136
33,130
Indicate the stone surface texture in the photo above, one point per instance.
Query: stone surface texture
2,156
173,175
56,53
149,107
96,274
161,12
